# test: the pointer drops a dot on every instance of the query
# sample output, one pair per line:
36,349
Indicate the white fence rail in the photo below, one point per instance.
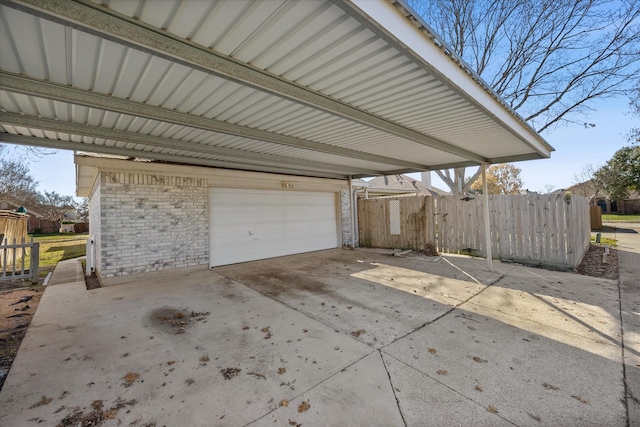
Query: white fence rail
13,260
548,230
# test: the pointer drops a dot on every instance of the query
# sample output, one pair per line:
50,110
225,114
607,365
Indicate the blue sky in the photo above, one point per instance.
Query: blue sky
575,147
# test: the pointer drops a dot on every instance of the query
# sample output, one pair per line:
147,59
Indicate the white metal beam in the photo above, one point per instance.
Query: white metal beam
117,151
174,144
95,19
31,86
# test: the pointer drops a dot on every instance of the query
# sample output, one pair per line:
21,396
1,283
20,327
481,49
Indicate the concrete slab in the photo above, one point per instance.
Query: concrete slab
531,374
342,289
346,398
67,271
425,401
365,338
123,344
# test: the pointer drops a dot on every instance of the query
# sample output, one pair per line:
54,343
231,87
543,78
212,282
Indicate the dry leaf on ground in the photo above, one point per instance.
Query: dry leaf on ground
284,402
257,375
549,386
229,373
282,370
479,359
443,372
535,417
432,350
358,332
130,378
479,388
304,407
578,398
492,409
44,401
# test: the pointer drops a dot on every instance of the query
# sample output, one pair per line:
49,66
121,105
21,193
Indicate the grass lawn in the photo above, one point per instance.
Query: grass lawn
58,247
605,241
620,218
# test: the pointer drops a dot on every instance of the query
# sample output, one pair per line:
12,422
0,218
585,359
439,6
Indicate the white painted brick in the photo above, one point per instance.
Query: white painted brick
151,226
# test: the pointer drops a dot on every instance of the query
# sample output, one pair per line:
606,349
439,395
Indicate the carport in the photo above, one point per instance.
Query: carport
325,89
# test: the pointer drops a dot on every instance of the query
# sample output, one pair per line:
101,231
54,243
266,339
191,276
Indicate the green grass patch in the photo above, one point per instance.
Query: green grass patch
605,241
58,247
620,218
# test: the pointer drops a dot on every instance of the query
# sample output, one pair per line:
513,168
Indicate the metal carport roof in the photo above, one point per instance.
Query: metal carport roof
317,88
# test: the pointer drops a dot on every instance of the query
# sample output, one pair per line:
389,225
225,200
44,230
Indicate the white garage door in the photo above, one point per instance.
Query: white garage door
247,225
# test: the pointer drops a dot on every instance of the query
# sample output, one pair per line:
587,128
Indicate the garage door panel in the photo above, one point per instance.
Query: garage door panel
247,225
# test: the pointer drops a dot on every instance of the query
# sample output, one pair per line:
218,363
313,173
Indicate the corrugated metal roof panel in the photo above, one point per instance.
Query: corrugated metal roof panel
384,101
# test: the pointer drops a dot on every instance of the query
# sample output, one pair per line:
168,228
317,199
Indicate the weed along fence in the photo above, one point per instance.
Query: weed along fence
396,222
14,249
545,230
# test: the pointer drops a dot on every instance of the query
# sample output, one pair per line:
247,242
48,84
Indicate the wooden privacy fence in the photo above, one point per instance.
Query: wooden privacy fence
396,222
546,230
549,230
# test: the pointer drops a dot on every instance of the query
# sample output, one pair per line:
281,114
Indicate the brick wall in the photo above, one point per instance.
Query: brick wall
150,223
631,206
43,226
345,210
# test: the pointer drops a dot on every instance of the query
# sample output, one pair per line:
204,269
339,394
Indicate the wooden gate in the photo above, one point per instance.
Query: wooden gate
403,222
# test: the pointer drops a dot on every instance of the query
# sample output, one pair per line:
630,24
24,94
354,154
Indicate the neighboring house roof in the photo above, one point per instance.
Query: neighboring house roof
324,88
402,184
10,203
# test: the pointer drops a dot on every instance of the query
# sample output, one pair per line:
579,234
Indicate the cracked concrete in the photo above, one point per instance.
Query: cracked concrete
335,337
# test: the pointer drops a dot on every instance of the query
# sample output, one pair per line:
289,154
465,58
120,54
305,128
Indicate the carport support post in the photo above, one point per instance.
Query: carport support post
352,212
487,223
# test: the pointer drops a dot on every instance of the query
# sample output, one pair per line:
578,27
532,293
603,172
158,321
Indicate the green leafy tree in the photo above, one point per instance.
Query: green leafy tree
501,179
622,173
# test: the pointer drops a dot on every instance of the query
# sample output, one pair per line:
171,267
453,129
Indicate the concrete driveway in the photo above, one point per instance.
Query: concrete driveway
332,338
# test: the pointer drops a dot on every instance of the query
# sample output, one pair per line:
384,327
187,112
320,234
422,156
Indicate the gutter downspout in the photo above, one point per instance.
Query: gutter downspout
487,224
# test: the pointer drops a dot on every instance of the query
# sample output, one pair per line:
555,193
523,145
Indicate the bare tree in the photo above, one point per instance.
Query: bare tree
54,206
549,188
15,179
634,134
458,182
548,59
588,184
